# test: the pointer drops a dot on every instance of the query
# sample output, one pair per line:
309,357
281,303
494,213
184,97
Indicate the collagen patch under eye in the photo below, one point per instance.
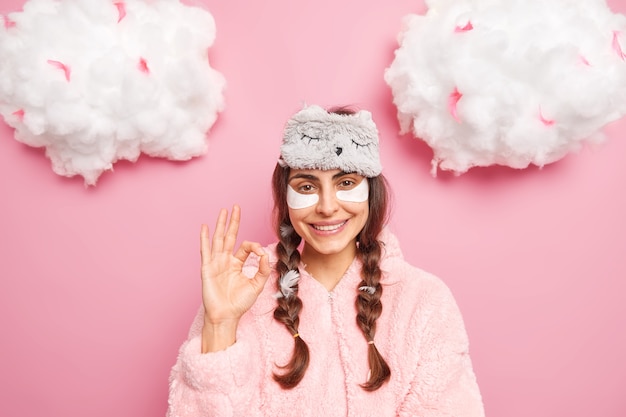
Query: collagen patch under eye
296,201
358,194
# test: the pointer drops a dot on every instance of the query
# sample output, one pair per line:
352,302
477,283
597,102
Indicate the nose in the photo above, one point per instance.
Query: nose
327,204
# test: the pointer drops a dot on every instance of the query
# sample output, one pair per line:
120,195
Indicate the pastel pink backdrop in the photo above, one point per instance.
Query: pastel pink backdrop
98,285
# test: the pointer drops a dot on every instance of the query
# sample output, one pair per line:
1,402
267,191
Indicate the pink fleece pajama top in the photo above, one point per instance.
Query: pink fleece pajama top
420,334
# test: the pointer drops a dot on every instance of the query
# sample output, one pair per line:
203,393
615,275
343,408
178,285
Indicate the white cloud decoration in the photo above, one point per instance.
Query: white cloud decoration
97,81
508,82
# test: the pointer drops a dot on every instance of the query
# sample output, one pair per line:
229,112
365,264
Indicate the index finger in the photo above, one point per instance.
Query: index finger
246,248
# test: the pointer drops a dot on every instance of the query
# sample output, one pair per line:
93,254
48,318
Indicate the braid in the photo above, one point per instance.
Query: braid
369,309
288,307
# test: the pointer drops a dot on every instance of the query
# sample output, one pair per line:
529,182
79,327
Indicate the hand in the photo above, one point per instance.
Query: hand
226,292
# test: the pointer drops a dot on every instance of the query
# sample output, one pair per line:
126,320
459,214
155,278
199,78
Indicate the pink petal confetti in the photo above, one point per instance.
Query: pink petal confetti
616,46
8,23
584,60
546,122
454,98
468,26
121,10
66,69
143,66
19,113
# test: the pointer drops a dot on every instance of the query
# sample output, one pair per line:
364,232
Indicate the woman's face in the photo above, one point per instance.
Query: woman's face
327,209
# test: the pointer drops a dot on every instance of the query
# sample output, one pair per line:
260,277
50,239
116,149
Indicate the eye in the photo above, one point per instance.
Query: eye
348,183
305,188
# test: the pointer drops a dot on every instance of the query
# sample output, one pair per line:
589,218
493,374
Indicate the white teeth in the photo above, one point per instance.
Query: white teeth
328,228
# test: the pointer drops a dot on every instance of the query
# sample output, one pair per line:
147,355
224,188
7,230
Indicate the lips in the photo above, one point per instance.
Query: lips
329,227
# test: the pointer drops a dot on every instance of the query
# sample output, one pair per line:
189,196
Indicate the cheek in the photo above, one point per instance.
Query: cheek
297,219
296,201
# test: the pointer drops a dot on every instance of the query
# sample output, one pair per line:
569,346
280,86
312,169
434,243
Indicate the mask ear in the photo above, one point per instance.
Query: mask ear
365,115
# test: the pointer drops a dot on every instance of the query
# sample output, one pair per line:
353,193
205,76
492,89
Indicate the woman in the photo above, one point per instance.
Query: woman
330,320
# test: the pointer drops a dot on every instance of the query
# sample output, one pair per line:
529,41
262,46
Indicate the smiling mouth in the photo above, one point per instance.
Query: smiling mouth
329,227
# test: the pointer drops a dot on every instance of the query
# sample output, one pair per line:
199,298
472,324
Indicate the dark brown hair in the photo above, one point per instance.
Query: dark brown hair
369,252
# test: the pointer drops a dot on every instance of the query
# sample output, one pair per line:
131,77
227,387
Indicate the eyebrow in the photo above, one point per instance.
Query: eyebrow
314,178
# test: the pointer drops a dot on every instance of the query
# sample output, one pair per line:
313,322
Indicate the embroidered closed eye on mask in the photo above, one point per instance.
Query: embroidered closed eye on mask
358,194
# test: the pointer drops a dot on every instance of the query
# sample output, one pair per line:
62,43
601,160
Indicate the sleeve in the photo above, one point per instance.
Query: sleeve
225,383
444,384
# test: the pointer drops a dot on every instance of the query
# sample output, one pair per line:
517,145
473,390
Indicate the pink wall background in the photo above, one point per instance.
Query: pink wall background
99,285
